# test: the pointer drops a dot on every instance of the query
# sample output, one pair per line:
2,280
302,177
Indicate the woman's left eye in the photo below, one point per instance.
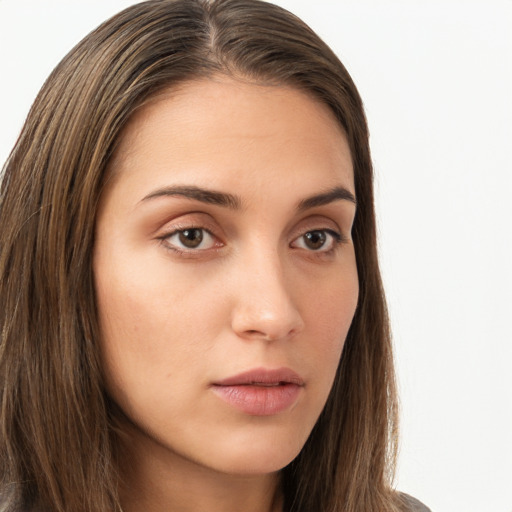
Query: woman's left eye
319,240
190,239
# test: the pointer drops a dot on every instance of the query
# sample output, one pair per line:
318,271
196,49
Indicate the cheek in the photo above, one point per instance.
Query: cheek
330,305
156,325
329,314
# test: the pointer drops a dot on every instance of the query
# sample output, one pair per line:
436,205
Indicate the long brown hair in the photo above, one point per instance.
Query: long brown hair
57,444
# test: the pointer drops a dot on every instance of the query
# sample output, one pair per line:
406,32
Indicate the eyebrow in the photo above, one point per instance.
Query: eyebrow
235,203
330,196
199,194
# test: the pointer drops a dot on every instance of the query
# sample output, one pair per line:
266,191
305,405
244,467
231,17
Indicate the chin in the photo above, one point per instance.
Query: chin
262,464
262,455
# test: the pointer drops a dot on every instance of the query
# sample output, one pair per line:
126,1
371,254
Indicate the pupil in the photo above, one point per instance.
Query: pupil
315,239
191,237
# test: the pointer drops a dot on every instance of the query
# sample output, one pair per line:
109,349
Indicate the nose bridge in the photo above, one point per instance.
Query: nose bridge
265,305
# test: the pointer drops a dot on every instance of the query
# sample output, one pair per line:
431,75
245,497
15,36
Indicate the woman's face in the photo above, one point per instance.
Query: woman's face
225,272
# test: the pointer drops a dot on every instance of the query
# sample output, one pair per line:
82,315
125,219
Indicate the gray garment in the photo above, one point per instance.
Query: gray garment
414,504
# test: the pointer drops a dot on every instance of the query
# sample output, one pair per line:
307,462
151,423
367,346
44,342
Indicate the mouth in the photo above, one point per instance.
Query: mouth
261,392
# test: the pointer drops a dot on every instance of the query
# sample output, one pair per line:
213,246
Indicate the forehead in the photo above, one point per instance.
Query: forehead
225,129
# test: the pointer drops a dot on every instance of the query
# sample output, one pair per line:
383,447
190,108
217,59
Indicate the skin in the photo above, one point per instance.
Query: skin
255,293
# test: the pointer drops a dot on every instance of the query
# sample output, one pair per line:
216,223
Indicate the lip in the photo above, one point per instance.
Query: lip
261,391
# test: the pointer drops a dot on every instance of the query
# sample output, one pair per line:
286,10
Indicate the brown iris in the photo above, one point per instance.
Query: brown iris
191,238
315,239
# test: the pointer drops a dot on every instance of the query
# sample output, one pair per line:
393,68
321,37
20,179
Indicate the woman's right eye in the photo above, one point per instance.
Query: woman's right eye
190,239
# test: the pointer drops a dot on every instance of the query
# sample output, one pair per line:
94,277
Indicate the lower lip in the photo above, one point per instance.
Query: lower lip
259,400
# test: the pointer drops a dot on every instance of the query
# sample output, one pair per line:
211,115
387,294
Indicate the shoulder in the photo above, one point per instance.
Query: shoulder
414,504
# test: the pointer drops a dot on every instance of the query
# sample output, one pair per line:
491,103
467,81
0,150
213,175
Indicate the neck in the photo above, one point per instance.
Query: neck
155,479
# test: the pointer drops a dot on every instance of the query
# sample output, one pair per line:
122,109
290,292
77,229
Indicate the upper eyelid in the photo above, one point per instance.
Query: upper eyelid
319,220
176,224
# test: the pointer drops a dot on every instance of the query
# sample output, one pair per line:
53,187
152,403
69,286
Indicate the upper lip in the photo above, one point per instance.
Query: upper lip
263,376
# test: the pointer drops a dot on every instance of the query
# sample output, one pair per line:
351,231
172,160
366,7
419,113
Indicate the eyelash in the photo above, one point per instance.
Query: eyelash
336,240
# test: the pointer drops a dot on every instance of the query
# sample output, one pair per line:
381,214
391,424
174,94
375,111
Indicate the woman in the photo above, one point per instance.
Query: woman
193,314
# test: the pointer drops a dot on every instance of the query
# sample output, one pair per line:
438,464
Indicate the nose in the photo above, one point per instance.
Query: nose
264,307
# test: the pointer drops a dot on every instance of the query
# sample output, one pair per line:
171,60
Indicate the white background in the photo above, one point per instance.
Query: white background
436,77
